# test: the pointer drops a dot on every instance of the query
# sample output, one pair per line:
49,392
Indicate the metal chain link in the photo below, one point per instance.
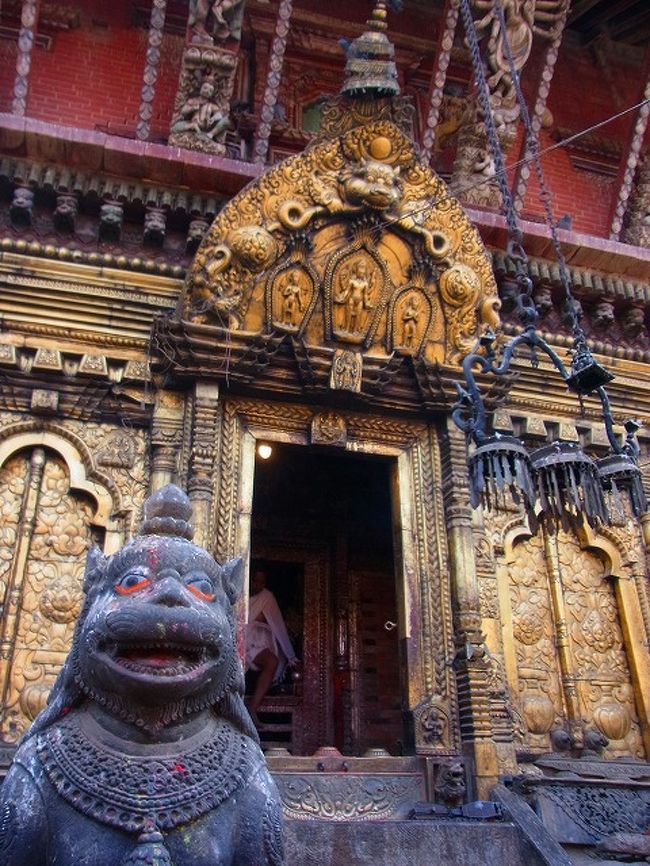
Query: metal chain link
515,247
514,232
545,196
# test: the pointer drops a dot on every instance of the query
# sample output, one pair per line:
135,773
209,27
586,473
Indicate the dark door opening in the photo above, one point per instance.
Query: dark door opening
322,528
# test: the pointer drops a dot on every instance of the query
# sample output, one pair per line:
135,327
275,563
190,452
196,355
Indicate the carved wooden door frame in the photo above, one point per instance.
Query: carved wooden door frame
229,429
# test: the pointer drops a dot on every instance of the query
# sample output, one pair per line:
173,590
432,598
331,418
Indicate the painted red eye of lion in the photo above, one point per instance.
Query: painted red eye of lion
201,587
132,582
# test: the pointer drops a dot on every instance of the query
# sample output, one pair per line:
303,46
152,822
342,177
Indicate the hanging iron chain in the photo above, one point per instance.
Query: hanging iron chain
514,232
515,247
532,142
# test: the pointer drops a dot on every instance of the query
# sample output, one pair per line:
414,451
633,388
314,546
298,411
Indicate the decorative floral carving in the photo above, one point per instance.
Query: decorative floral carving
528,627
119,450
600,810
345,798
613,720
61,601
539,713
33,699
56,525
50,587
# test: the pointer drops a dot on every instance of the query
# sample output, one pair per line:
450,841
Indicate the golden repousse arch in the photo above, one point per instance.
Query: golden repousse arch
361,216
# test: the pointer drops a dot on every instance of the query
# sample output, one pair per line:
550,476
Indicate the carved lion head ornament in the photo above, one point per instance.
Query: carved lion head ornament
155,640
378,254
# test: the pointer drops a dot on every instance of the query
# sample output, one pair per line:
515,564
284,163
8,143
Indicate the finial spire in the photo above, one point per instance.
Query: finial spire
377,21
370,71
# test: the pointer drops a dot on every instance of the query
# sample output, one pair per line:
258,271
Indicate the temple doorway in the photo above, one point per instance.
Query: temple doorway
322,528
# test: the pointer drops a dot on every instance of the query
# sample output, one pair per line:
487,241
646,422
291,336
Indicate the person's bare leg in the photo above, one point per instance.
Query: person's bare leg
267,662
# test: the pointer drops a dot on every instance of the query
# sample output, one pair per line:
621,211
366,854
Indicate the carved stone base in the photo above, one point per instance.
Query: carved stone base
590,802
202,108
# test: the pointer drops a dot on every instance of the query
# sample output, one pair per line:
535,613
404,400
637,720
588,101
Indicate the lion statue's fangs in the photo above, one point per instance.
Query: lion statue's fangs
145,754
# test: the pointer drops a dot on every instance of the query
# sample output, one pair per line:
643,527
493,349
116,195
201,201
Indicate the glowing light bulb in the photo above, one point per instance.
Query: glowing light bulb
264,451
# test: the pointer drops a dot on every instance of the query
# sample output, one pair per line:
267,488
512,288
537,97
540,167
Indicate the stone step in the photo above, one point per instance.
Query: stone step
407,843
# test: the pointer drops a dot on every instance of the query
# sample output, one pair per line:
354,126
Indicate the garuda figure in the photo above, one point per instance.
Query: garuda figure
145,754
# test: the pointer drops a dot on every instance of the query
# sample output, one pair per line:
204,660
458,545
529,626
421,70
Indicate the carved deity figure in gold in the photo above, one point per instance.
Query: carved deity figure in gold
292,302
410,319
354,294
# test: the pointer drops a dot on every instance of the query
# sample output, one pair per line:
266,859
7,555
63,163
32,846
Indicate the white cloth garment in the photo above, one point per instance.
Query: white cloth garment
271,634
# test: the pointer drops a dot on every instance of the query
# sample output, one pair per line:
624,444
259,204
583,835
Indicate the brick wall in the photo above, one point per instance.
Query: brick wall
92,76
582,94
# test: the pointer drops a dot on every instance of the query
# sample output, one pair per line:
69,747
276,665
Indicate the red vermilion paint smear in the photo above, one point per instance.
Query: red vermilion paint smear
153,557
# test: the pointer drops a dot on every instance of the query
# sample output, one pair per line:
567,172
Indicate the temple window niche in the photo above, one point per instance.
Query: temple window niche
312,115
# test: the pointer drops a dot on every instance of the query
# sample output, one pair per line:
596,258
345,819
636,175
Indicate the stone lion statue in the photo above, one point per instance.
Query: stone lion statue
145,754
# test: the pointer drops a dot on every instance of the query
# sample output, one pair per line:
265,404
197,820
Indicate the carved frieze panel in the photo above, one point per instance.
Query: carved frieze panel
48,519
348,796
539,692
565,654
43,588
596,641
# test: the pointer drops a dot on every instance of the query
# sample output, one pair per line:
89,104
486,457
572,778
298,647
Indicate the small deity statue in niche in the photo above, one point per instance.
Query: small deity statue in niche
355,295
220,18
434,725
146,754
410,319
201,115
292,302
347,371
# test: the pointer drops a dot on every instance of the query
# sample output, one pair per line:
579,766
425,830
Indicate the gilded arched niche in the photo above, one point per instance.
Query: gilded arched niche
354,245
51,511
558,591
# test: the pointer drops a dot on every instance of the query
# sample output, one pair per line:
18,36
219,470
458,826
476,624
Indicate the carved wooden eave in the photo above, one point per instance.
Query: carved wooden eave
348,268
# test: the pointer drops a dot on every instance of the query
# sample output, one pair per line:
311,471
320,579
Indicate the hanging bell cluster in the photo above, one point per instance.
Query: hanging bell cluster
620,476
568,486
557,483
498,464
